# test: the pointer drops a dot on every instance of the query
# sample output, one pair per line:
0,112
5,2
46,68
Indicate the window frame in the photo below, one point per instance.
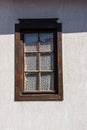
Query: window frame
27,25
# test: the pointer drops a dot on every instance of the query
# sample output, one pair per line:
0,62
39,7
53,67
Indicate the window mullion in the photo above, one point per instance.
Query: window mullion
39,73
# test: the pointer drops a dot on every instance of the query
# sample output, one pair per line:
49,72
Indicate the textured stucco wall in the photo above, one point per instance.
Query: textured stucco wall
70,114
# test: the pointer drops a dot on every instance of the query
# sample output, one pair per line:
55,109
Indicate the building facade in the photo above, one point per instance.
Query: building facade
69,114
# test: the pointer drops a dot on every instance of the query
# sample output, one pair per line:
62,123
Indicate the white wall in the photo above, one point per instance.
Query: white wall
70,114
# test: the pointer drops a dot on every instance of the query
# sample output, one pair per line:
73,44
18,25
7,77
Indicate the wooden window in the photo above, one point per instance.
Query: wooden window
38,60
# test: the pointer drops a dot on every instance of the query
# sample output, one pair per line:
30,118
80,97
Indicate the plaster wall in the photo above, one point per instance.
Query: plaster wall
70,114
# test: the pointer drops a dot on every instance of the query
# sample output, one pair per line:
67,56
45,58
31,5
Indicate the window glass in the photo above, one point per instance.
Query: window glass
38,64
31,41
31,62
31,81
46,62
46,41
47,81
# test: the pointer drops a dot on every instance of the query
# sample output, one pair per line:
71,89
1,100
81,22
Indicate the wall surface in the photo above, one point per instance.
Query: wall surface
70,114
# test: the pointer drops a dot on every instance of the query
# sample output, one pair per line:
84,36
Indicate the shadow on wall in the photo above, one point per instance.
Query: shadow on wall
71,13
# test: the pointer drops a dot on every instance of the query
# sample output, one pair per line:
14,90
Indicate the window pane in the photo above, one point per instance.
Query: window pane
31,81
46,41
31,62
47,81
46,62
31,42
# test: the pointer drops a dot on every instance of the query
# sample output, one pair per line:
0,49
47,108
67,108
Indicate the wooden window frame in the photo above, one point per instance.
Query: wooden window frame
25,25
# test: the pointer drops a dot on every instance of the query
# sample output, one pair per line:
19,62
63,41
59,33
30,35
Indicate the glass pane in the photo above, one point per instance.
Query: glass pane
46,41
46,62
31,62
31,41
47,81
31,81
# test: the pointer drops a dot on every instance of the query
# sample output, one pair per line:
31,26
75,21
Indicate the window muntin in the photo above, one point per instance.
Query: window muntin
38,65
